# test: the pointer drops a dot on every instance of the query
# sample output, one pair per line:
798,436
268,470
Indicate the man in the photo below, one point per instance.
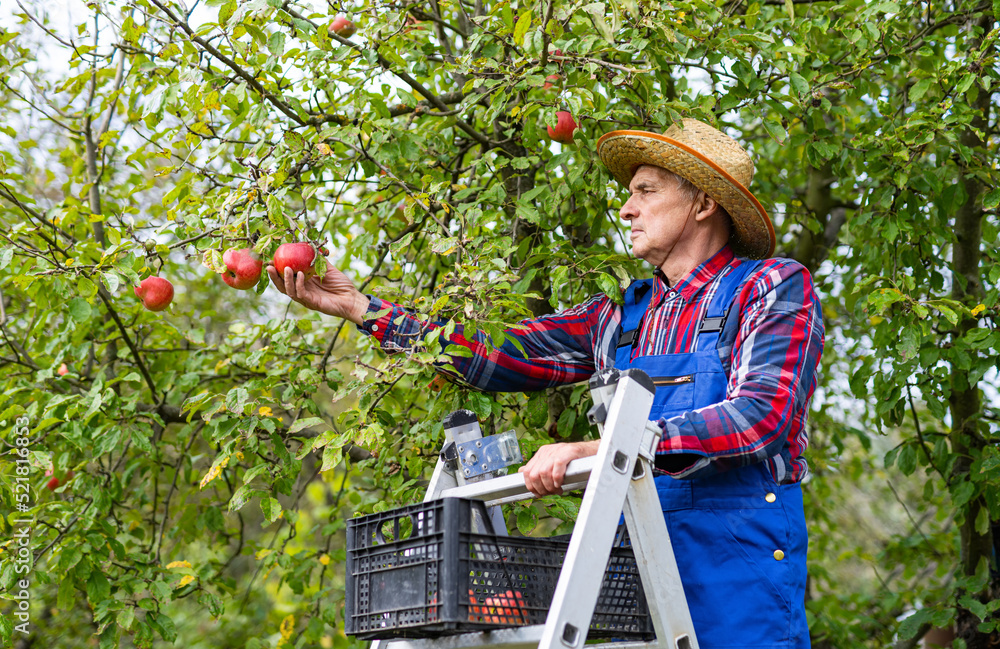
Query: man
732,344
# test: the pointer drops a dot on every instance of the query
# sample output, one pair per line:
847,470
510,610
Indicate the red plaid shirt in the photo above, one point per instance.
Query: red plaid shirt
771,353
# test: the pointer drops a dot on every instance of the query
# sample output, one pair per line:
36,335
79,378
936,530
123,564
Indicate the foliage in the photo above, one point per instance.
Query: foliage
218,446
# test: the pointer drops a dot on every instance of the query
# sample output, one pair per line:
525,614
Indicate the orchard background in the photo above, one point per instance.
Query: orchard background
217,447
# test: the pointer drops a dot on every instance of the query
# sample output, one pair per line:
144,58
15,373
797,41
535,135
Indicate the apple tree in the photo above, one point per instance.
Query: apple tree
217,446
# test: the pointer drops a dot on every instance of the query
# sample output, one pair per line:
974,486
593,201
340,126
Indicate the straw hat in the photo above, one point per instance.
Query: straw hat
711,160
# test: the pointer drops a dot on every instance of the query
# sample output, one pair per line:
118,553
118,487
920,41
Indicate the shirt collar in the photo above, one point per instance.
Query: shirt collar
689,286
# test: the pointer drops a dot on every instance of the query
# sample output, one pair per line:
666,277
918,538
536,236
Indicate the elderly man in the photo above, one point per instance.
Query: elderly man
732,344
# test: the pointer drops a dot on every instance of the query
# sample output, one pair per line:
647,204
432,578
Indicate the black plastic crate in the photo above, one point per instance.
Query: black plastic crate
418,572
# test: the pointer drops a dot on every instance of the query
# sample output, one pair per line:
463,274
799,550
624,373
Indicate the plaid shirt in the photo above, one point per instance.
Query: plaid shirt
770,353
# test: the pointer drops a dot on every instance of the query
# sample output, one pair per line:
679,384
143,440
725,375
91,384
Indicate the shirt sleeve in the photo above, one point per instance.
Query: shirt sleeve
771,378
551,350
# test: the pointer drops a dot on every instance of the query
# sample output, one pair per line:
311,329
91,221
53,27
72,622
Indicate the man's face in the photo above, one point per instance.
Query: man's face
660,214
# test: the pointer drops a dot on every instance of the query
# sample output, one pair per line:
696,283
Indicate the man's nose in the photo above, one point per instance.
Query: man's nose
627,212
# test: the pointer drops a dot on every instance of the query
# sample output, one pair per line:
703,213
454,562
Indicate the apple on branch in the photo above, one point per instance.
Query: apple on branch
155,293
343,27
55,482
63,370
564,128
243,268
299,256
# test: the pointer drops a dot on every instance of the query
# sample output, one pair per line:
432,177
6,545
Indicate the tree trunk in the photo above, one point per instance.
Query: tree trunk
965,400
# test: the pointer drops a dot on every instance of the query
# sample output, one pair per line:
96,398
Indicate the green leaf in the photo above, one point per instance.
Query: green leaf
79,309
444,245
597,12
212,260
163,624
920,88
962,493
271,509
333,455
527,519
125,617
302,424
98,588
775,130
242,496
111,281
909,626
907,460
609,286
799,84
990,200
236,400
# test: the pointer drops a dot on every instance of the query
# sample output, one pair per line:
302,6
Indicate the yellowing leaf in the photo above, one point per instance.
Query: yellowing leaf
287,629
212,102
178,564
262,553
185,580
324,148
214,472
979,309
324,559
265,411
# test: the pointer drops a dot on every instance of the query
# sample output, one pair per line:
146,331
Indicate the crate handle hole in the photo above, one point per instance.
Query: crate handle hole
397,529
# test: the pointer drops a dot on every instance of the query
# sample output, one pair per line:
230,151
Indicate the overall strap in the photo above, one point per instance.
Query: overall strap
637,297
718,309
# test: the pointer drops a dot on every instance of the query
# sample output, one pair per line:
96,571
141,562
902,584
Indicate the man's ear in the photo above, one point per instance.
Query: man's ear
707,206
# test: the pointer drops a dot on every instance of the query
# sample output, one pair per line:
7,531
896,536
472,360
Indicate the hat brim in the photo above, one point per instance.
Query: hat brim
625,151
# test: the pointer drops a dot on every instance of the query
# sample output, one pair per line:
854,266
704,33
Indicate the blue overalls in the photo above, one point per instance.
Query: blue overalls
739,537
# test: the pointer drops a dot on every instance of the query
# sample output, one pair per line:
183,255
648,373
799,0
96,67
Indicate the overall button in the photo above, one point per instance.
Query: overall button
375,327
778,555
770,497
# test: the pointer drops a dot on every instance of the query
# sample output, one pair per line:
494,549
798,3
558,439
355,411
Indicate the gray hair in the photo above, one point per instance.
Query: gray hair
688,188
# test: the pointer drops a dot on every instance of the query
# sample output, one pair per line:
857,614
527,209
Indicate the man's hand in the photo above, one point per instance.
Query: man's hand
332,294
544,473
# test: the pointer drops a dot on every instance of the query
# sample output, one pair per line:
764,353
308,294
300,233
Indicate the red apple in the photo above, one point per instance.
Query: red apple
551,81
343,27
54,482
242,268
63,370
297,256
508,608
565,125
155,293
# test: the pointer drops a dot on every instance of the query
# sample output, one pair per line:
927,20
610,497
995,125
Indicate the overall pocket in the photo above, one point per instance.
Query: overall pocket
736,589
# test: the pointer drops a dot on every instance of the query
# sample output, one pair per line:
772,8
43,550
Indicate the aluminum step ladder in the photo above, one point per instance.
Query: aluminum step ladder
618,479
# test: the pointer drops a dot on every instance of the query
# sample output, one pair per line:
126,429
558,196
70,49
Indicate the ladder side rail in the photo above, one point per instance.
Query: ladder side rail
654,556
579,584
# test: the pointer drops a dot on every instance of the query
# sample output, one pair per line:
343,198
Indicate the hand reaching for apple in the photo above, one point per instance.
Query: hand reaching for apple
332,294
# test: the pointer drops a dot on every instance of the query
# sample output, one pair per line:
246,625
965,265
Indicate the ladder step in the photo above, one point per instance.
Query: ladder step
525,637
509,488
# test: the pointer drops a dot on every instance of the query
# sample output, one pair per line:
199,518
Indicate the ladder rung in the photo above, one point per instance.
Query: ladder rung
525,637
509,488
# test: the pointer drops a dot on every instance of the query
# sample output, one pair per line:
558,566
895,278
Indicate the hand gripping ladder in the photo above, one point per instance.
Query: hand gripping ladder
618,479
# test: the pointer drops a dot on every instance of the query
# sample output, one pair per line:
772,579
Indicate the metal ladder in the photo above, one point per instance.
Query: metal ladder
617,479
